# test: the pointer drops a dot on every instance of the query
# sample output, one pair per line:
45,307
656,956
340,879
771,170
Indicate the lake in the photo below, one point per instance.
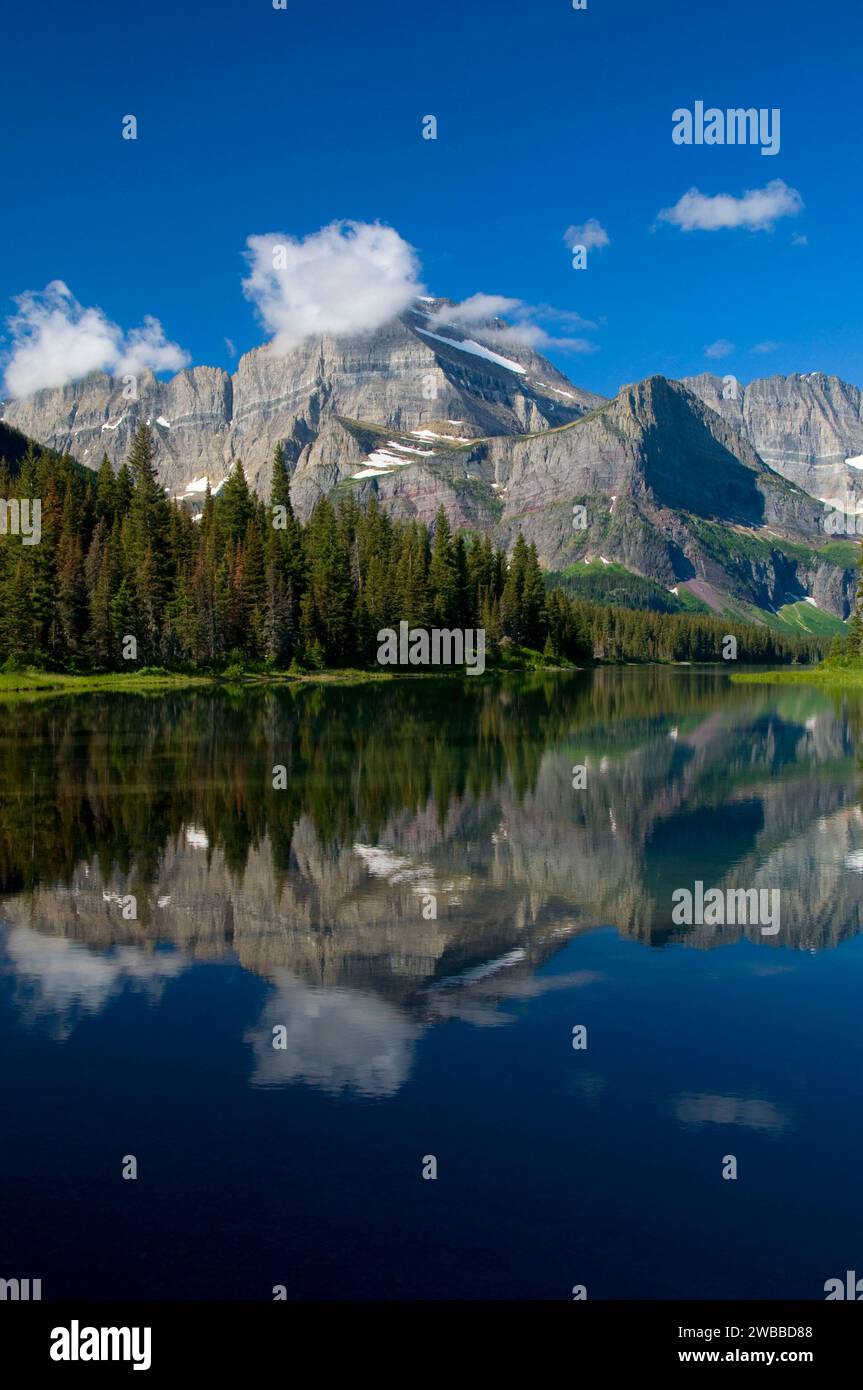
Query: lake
378,990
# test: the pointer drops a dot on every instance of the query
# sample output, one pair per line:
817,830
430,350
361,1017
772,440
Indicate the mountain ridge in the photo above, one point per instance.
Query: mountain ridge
205,419
427,412
807,426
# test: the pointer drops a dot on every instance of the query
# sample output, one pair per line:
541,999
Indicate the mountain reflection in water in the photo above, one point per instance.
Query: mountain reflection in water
402,794
282,1001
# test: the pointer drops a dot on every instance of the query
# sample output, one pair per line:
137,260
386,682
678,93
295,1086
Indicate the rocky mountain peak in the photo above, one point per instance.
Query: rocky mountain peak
808,427
407,375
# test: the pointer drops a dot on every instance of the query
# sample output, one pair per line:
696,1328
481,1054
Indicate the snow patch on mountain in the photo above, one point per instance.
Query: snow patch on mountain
450,438
406,449
558,391
382,462
476,350
198,486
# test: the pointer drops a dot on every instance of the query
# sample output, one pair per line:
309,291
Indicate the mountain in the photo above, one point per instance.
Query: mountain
670,490
517,868
713,500
809,428
407,375
13,446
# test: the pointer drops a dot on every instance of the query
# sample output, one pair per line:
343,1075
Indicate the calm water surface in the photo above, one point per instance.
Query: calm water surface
164,909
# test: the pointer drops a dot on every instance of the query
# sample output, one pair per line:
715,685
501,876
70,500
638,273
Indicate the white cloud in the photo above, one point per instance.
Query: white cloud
721,348
479,308
64,981
757,1114
350,277
147,347
798,239
767,346
757,209
567,318
56,340
231,349
483,311
337,1040
532,335
590,234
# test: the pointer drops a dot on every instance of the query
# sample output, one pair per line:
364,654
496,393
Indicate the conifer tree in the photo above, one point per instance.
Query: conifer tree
532,600
443,577
106,492
329,583
235,509
855,625
511,603
410,576
243,582
145,538
284,564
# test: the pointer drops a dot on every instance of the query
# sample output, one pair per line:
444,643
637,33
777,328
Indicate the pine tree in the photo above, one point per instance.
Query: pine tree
443,577
532,600
246,582
145,535
99,646
235,509
15,628
855,625
123,620
284,564
511,610
123,489
106,492
409,569
71,593
330,583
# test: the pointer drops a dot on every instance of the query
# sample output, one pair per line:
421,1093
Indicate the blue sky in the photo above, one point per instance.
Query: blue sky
254,121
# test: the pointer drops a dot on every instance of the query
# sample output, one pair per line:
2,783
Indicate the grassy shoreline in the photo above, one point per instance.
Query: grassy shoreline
32,681
62,683
824,677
